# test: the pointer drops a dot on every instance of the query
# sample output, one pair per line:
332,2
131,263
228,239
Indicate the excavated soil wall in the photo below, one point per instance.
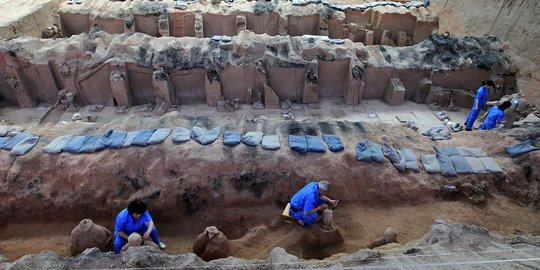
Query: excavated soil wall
211,183
135,69
513,22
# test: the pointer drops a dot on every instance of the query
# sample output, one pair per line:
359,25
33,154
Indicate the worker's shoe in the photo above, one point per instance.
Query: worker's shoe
161,245
468,129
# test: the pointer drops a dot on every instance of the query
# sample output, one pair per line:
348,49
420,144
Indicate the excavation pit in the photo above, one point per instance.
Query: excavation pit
278,67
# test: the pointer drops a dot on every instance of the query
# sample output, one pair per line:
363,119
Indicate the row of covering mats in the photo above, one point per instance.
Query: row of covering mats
448,161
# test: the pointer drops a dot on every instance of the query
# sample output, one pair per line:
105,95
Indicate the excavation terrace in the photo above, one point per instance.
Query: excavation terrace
371,74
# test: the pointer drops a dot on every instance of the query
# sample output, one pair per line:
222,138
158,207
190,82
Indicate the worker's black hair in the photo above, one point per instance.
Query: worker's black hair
136,207
488,83
505,105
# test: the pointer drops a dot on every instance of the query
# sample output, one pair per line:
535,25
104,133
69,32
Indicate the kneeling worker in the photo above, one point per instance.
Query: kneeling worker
310,200
134,219
494,116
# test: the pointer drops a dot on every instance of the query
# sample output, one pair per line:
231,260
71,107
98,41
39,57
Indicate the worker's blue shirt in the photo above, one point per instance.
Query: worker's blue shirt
494,116
307,198
126,223
481,97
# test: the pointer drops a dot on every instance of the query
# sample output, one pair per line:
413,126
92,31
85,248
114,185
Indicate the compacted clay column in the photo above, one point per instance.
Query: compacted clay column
163,25
199,26
17,82
240,23
163,90
355,86
311,89
213,88
120,83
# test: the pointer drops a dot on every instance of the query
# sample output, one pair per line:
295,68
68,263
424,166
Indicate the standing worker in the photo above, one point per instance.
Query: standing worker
309,201
479,102
134,219
494,115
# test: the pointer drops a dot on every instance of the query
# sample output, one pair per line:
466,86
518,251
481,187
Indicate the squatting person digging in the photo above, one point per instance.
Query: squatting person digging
307,203
494,116
134,219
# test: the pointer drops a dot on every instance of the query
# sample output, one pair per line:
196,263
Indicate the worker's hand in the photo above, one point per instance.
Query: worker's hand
334,203
323,207
145,235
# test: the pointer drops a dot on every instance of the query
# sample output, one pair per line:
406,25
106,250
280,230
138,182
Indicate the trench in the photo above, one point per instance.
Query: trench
359,225
184,201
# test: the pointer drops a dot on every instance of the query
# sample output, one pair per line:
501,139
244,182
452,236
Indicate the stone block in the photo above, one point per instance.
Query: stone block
439,95
395,92
271,100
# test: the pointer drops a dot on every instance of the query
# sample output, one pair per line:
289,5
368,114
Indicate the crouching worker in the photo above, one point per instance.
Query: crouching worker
307,203
134,219
494,115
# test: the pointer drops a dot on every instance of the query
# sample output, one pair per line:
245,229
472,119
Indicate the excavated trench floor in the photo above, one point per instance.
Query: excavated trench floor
359,225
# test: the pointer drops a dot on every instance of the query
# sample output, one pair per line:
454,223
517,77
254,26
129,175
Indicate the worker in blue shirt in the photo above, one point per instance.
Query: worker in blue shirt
310,200
134,219
479,102
494,115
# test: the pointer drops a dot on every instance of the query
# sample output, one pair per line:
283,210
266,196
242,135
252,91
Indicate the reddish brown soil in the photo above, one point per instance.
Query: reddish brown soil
359,224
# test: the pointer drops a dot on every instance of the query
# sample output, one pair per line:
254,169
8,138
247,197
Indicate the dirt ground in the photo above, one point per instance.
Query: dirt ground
359,225
183,201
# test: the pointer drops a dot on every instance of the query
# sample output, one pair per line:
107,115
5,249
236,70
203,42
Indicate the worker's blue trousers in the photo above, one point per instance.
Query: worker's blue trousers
472,117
